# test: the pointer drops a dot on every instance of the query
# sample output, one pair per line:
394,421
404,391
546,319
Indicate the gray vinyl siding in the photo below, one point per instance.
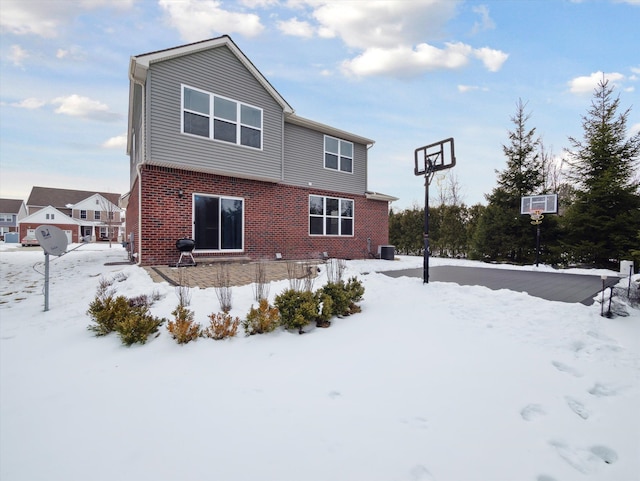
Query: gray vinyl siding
219,72
304,163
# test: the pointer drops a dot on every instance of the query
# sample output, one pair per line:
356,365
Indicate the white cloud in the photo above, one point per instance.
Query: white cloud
31,103
201,19
72,53
17,54
296,28
635,128
258,3
471,88
44,19
492,59
587,84
485,22
395,38
84,107
383,24
117,142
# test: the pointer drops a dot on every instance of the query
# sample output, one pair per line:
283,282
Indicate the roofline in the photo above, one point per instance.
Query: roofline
379,196
139,64
327,129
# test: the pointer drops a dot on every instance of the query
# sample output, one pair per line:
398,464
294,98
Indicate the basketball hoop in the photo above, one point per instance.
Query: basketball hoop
536,216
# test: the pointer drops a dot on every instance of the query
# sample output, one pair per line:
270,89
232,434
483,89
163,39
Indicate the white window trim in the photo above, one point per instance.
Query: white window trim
325,152
325,216
193,223
212,117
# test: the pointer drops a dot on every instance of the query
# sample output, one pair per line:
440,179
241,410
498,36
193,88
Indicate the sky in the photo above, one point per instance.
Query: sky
470,384
403,73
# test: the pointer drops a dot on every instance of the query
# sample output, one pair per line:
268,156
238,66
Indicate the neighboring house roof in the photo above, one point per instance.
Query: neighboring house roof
10,206
61,198
139,64
41,217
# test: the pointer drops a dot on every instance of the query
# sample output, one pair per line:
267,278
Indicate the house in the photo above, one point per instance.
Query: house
219,156
83,215
11,210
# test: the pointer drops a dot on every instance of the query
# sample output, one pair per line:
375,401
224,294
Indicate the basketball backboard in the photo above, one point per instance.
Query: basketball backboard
434,157
545,203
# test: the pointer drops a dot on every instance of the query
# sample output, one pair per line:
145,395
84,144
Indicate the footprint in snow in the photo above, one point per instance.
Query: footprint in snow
603,390
560,366
577,407
545,477
420,473
585,460
531,412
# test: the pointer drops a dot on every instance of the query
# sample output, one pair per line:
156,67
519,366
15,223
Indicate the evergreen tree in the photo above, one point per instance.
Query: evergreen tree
502,233
602,223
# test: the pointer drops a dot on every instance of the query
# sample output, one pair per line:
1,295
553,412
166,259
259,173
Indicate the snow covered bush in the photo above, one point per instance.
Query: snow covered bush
344,296
221,326
265,318
183,329
106,312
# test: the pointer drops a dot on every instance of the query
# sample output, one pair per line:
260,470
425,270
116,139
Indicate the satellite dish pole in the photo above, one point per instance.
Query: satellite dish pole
427,161
54,241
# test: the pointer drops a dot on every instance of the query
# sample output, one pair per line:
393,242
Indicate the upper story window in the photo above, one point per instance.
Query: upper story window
6,217
338,154
96,215
83,214
208,115
50,216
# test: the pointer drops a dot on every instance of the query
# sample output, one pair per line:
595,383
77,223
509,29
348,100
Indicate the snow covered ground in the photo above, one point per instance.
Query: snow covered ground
430,382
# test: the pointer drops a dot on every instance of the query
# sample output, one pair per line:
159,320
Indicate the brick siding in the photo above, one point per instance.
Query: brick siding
276,218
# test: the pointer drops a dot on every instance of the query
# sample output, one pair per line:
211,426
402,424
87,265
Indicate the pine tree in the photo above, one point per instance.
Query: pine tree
602,223
502,233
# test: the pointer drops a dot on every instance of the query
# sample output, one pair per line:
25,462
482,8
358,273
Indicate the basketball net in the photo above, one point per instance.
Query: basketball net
536,216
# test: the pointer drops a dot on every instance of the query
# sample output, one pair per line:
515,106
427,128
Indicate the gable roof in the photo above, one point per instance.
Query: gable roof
139,64
60,198
10,206
40,216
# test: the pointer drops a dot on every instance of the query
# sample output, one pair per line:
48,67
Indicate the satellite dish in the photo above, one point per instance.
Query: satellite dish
52,239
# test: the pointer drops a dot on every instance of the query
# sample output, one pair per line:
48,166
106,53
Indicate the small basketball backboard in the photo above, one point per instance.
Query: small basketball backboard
545,203
434,157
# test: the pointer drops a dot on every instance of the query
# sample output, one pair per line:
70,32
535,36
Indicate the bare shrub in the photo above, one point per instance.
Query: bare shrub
183,289
261,285
221,326
223,287
301,275
335,270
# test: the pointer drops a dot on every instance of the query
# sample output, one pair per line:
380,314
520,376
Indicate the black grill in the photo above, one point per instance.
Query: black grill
185,247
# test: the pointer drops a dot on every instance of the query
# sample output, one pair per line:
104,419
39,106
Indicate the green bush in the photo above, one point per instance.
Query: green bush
297,309
137,326
325,309
107,312
261,320
344,296
130,318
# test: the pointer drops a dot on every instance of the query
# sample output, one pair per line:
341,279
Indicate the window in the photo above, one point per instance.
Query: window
50,216
83,214
330,216
111,215
214,117
338,154
96,215
218,222
6,217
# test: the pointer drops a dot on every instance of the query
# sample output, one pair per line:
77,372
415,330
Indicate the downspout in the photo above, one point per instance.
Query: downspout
143,143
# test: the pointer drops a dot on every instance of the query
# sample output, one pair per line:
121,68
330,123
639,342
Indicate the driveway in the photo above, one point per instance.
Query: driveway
553,286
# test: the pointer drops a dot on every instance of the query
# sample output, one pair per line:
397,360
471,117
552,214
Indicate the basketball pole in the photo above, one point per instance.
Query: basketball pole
425,262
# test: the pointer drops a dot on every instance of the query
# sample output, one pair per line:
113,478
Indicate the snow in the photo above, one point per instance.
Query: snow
429,382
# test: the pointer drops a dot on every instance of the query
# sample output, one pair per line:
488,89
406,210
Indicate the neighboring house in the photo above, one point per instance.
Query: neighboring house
84,215
217,155
11,210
